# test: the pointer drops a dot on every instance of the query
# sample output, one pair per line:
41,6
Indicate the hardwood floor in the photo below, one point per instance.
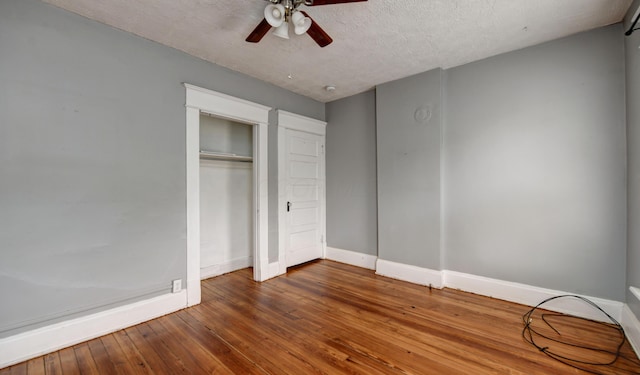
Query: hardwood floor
328,318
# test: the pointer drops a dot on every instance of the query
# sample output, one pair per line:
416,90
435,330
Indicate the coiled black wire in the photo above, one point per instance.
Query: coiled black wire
529,333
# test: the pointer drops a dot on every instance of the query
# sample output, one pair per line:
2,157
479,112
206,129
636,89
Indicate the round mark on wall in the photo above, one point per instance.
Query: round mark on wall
422,115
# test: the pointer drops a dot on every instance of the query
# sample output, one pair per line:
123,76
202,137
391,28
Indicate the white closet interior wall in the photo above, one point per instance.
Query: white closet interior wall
226,197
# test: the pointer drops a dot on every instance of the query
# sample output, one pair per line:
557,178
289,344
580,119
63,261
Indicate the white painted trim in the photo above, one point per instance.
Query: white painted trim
225,267
635,291
505,290
323,197
351,257
631,327
193,206
531,295
27,345
220,105
293,121
282,201
261,202
412,274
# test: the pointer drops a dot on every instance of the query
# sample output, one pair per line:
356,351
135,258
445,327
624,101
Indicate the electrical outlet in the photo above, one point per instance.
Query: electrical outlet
176,286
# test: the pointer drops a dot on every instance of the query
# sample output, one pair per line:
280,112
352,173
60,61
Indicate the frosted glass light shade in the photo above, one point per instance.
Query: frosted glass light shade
301,23
282,31
274,14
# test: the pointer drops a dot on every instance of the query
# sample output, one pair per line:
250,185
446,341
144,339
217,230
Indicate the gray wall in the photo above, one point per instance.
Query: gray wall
534,166
632,48
408,115
92,162
351,174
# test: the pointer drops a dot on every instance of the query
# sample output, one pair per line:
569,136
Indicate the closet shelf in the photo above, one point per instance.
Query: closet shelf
211,155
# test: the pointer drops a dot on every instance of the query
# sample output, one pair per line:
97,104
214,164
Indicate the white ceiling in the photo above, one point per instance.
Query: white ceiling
374,42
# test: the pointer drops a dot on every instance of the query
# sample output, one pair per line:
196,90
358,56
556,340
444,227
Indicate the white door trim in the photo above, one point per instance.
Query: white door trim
220,105
288,120
293,121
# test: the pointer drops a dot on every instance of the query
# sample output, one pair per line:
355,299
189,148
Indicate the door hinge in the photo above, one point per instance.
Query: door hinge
321,239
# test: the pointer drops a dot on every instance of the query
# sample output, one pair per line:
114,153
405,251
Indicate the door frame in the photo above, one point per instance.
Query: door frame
199,100
287,120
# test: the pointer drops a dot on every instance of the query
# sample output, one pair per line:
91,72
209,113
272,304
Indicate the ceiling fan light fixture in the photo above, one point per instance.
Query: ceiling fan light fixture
282,31
275,14
301,23
280,12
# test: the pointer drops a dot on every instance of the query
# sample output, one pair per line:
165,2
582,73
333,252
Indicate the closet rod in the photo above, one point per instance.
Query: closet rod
224,156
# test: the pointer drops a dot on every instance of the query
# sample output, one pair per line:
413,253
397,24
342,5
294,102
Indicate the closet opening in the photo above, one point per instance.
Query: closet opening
241,117
226,196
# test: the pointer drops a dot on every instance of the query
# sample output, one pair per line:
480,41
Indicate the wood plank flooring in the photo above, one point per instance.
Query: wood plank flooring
327,318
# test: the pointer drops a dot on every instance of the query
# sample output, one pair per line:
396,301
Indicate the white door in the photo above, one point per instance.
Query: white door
304,165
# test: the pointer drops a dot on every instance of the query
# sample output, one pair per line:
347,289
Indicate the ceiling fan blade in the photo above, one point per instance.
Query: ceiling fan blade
259,32
329,2
316,33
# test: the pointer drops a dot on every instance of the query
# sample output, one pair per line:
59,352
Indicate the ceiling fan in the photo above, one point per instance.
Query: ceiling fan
279,13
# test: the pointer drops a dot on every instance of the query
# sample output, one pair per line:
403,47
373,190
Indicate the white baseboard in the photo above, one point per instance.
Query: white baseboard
631,327
351,257
412,274
531,296
31,344
225,267
505,290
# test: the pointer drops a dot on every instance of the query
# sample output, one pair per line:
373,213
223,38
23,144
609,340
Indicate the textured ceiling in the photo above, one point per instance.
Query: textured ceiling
374,42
